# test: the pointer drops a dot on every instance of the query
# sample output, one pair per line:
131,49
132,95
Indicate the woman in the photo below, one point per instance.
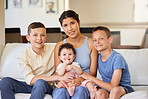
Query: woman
86,55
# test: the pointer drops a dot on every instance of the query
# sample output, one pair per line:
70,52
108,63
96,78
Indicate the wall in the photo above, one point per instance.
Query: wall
22,17
104,11
2,26
115,14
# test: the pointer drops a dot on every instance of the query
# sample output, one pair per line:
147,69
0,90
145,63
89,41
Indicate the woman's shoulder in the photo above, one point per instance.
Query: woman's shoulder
59,43
90,42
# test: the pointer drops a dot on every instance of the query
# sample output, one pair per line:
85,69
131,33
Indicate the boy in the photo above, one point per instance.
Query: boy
37,65
111,66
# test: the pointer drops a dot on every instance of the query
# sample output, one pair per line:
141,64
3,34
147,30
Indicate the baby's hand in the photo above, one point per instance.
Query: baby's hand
66,62
68,67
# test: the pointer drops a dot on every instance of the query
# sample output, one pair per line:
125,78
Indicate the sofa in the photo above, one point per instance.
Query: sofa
136,58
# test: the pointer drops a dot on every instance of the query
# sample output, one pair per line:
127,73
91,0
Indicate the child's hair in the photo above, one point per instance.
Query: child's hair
69,13
67,46
102,28
35,25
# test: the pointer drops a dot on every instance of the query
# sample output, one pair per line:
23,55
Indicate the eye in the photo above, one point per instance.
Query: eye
70,54
35,35
94,40
65,25
64,54
43,35
72,22
101,38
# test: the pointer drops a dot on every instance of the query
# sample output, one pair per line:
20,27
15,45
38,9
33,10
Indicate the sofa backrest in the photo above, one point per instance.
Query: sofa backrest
137,60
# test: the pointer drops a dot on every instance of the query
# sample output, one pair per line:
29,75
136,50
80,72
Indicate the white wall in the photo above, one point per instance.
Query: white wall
104,11
2,26
22,17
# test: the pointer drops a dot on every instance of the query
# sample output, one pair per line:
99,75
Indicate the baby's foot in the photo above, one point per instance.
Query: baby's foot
71,90
93,93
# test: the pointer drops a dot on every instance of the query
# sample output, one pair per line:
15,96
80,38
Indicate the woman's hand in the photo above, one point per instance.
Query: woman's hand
77,82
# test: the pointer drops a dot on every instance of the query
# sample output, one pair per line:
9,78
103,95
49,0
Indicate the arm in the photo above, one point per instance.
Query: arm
108,86
77,69
61,70
93,57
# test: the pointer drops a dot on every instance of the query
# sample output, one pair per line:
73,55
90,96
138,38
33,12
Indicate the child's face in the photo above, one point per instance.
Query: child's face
100,40
70,27
67,54
37,37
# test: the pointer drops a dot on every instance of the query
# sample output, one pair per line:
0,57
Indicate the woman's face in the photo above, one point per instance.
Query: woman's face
71,27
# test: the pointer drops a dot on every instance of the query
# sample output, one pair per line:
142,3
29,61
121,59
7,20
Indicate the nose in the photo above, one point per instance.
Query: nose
39,37
69,27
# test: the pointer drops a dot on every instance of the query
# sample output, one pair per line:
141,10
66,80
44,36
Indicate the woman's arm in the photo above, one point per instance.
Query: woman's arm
93,58
57,61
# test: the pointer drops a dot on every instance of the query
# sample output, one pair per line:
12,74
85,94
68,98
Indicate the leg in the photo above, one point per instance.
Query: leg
40,87
117,92
71,89
92,89
9,86
60,93
80,93
101,94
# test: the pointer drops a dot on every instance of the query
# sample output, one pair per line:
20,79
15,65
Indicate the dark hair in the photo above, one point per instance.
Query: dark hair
67,46
69,13
102,28
35,25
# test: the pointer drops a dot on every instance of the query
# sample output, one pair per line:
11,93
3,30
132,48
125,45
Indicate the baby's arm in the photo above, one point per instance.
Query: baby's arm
61,70
78,70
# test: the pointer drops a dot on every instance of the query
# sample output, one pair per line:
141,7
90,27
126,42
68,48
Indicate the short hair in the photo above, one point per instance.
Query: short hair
67,46
102,28
35,25
68,13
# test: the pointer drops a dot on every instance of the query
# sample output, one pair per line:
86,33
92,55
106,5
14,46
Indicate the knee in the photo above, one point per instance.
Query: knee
59,91
40,84
115,91
6,82
81,89
100,94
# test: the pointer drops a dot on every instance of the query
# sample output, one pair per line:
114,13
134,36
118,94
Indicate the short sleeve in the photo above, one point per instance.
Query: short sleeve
119,62
76,64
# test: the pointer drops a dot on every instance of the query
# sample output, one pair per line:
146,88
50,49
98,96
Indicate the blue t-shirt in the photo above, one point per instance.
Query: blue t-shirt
115,61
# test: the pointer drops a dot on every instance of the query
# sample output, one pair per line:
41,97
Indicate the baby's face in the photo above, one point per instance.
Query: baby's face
67,54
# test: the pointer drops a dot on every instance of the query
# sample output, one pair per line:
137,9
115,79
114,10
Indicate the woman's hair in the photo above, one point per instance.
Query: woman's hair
102,28
35,25
69,13
67,46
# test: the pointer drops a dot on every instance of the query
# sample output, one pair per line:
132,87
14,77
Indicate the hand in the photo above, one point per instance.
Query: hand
66,62
67,77
68,67
77,81
62,84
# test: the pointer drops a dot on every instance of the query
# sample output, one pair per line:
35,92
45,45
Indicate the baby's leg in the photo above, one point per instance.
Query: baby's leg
92,89
71,89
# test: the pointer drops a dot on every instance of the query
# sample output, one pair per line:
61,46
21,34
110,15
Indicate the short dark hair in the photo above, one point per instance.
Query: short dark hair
69,13
102,28
67,46
35,25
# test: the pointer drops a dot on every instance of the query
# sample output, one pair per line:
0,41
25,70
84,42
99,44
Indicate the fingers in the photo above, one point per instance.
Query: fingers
62,84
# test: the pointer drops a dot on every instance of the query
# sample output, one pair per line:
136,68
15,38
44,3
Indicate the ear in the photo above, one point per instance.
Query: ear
79,23
110,39
27,37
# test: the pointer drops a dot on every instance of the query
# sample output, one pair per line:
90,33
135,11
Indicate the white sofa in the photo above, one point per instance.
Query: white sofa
136,58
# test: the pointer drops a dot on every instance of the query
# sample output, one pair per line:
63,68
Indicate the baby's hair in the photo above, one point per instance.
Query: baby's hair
69,13
67,46
35,25
102,28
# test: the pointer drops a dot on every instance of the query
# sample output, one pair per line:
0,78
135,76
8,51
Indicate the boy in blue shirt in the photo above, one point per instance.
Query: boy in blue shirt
112,67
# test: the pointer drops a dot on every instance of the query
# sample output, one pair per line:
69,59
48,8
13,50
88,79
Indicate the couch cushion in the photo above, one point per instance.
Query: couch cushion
9,63
137,60
136,95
